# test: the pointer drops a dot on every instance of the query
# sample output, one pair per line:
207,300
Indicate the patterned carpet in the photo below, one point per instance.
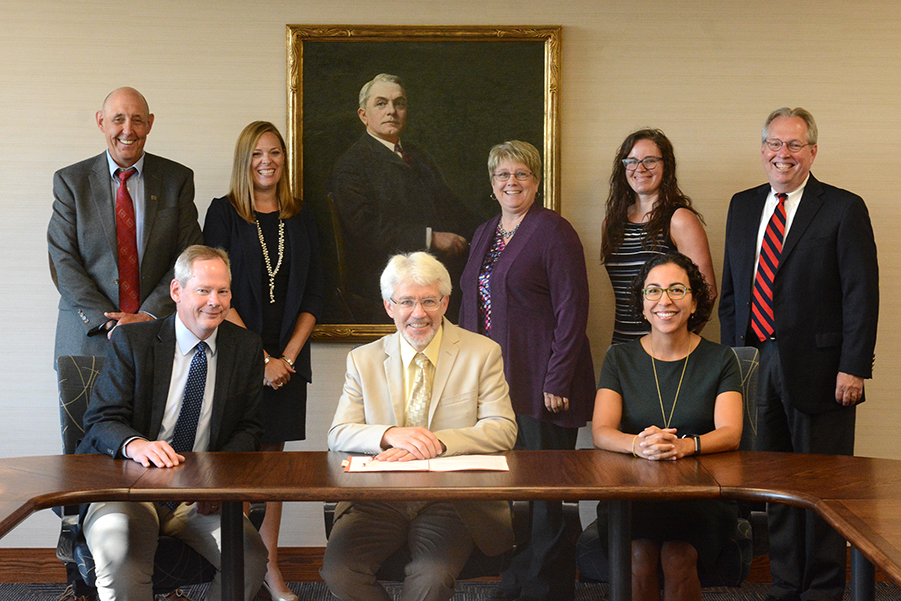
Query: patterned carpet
466,591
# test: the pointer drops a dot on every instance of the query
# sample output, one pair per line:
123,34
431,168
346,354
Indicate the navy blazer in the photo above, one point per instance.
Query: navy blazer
825,291
539,314
224,228
130,395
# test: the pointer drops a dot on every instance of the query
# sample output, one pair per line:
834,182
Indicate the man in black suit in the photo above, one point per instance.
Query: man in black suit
392,198
810,305
82,235
139,411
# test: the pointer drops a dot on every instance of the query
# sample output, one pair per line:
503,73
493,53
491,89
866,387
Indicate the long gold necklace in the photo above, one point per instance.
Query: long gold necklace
281,251
666,422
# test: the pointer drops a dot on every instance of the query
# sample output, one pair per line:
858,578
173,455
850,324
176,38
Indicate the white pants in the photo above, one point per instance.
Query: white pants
122,537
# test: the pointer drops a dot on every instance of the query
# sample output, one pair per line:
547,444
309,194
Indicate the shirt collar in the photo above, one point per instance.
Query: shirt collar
186,339
795,195
407,352
113,167
386,143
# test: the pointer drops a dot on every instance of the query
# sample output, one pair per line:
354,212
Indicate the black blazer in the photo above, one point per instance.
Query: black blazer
826,289
223,228
385,206
130,394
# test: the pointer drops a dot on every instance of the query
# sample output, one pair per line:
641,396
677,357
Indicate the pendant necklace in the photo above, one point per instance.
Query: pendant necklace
666,422
504,233
281,251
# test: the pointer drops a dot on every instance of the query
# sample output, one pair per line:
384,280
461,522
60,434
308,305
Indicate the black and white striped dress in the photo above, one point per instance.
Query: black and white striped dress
622,267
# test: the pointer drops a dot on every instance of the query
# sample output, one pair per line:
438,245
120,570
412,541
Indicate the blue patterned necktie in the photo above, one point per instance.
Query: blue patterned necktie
186,426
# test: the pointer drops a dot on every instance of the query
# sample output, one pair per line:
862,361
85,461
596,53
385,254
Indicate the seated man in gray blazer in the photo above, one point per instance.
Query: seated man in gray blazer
428,390
187,383
89,243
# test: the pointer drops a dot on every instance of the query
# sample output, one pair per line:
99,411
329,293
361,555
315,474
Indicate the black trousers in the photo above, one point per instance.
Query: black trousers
544,569
808,558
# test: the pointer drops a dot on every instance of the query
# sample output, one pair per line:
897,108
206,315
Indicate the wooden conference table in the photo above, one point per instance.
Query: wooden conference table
860,497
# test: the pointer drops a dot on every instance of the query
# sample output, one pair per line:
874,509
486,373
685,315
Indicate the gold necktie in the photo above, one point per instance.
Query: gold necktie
417,412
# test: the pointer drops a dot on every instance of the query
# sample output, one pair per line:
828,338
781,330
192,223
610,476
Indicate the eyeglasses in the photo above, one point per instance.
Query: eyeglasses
793,145
428,304
520,176
675,292
650,163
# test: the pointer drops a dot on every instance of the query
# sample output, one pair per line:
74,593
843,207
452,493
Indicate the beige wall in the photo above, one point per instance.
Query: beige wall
706,72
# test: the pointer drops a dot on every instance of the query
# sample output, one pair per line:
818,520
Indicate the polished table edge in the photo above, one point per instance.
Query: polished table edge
29,484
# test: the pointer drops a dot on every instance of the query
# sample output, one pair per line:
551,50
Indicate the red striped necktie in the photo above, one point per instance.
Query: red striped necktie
126,234
763,321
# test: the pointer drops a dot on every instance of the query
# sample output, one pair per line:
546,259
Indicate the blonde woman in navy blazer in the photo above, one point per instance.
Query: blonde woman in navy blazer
528,264
276,292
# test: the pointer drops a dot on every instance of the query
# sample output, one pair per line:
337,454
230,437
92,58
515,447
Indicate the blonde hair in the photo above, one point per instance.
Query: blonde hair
241,193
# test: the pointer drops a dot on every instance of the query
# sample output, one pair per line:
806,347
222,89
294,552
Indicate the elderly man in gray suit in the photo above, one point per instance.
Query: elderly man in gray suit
429,389
102,221
120,219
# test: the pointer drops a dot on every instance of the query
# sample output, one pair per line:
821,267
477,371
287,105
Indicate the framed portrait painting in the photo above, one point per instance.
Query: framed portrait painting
389,129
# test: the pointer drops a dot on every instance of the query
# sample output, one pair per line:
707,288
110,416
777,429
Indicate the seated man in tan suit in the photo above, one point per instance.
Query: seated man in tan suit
428,390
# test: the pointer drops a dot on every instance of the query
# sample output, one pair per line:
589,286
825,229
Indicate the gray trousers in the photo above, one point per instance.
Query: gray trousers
368,533
122,537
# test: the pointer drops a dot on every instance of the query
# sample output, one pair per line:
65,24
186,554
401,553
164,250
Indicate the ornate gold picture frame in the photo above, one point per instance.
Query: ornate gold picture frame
468,88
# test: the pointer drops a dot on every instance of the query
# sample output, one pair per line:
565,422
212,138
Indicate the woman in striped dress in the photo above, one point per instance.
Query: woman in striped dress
647,215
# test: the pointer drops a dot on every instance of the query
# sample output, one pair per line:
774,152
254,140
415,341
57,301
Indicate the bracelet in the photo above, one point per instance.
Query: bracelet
266,358
634,454
288,361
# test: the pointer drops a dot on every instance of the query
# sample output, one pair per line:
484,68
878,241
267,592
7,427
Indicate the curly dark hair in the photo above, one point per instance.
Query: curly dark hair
622,196
699,288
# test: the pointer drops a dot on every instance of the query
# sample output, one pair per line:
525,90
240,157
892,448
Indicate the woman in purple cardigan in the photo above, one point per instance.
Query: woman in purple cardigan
525,286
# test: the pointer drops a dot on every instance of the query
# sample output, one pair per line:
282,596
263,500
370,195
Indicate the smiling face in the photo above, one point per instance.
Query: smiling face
514,196
267,162
643,181
417,326
664,314
386,111
125,121
787,170
205,299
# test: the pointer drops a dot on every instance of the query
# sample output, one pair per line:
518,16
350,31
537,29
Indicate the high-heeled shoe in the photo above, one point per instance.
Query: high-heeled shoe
276,596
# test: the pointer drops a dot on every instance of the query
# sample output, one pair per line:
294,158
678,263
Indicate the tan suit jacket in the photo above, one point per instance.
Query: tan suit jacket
470,412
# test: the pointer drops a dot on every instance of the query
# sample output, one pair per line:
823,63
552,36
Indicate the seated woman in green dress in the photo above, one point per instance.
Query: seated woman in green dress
668,395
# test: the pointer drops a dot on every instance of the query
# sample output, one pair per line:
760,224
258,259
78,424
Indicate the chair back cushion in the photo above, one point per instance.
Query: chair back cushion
76,377
748,362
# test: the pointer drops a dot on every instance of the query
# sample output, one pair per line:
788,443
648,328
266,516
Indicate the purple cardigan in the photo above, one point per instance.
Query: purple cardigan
539,314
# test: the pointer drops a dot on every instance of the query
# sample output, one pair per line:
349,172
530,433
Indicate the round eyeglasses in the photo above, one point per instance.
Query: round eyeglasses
792,145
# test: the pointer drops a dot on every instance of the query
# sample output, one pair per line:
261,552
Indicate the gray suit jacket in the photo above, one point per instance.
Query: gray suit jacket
470,412
131,392
83,252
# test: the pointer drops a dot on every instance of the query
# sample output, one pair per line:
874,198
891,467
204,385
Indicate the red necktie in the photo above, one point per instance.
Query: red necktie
762,320
407,158
126,234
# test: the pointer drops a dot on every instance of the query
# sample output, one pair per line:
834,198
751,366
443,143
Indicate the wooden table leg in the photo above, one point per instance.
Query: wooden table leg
863,577
232,573
619,548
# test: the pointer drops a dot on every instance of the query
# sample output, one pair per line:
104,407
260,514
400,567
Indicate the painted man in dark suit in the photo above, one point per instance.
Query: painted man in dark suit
391,197
138,407
816,336
82,238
